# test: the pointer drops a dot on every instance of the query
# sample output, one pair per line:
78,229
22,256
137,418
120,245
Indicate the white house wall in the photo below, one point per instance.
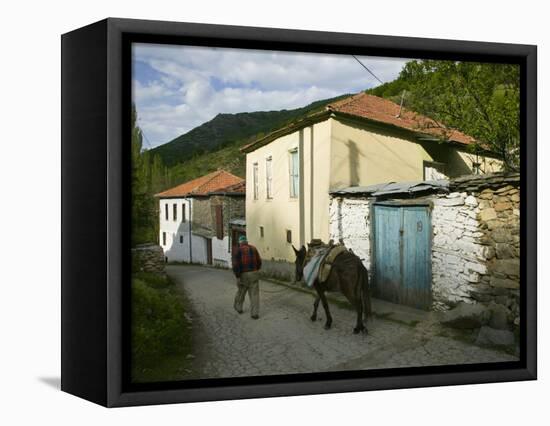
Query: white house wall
174,250
221,252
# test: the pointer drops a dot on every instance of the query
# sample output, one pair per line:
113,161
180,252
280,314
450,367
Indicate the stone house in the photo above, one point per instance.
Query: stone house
434,244
358,141
196,219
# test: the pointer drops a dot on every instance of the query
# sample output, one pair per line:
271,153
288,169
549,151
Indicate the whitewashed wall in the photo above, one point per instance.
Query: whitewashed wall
221,252
349,222
174,250
458,255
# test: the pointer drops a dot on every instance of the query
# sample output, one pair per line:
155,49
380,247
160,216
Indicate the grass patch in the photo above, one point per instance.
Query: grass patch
161,333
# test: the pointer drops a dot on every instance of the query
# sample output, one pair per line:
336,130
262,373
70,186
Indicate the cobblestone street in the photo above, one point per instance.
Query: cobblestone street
285,341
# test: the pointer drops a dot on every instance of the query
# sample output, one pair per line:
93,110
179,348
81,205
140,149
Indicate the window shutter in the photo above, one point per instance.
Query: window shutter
219,222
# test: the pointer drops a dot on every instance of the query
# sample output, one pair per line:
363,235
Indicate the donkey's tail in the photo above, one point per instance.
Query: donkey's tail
365,291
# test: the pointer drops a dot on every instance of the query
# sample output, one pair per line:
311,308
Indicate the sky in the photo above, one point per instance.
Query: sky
177,88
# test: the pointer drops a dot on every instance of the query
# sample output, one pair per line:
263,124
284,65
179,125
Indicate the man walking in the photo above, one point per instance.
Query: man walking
246,264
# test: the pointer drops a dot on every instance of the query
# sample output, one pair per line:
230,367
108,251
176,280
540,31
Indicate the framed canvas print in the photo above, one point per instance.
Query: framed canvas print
253,212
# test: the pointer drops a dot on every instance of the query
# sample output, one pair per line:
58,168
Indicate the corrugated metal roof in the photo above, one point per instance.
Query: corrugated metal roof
395,188
238,222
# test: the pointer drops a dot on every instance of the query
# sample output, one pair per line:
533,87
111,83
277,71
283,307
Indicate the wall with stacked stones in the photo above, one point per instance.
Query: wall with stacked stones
349,223
475,245
148,258
498,198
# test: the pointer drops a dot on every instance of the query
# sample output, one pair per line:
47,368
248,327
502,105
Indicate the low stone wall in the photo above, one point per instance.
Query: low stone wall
148,258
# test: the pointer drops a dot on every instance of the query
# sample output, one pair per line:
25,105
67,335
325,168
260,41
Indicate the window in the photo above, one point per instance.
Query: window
261,231
183,212
268,178
166,211
219,222
164,238
175,212
255,180
294,174
289,236
181,239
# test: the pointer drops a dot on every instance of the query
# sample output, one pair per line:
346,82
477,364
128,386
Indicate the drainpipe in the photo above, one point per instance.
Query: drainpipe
301,194
311,184
190,230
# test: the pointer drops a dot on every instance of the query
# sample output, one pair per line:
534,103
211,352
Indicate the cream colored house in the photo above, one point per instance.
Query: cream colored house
361,140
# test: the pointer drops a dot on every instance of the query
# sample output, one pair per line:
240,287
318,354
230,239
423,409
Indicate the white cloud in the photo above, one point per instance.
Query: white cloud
194,84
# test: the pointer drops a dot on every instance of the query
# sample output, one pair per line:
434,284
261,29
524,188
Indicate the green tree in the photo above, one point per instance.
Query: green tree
480,99
144,217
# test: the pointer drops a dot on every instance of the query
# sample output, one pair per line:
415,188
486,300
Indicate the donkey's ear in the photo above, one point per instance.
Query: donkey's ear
295,251
303,249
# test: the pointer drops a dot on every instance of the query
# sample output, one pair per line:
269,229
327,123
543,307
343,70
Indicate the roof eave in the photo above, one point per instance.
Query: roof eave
286,130
417,134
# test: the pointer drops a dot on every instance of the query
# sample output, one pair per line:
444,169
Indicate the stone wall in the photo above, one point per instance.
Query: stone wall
148,258
498,198
475,240
204,212
349,223
458,254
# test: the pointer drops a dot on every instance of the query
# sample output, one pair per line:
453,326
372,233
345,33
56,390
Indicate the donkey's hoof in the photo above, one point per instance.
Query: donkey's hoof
313,318
358,330
327,326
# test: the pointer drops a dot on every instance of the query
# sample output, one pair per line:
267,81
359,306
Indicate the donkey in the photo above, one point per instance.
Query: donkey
349,276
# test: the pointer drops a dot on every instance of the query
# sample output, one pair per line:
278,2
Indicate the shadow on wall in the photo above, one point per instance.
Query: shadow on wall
455,164
354,163
384,152
181,250
279,270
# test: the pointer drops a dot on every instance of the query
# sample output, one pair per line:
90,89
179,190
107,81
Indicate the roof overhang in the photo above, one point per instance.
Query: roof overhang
288,129
416,135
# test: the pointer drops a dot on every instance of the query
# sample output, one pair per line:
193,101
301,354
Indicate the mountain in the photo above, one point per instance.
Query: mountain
227,130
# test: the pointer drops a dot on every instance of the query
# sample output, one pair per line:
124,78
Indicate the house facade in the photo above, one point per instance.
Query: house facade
196,219
361,140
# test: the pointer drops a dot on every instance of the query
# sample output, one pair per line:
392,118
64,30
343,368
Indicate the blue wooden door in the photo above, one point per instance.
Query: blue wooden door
402,254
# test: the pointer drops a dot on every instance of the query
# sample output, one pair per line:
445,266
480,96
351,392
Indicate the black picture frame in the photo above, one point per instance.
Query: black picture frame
95,192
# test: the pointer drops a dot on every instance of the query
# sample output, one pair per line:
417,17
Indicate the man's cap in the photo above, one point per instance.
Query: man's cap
242,239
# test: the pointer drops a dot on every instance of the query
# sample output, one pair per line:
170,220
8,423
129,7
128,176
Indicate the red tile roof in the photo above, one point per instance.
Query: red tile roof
217,181
238,188
382,110
372,108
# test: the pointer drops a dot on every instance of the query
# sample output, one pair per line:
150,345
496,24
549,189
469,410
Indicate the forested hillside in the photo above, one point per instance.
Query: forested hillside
228,129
